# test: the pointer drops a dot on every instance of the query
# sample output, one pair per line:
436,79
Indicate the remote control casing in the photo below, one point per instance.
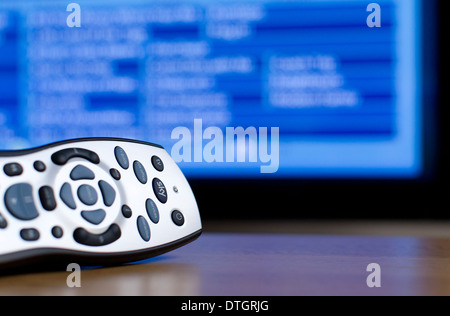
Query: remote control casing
162,232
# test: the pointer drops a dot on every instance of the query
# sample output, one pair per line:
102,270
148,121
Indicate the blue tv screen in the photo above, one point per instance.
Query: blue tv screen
231,89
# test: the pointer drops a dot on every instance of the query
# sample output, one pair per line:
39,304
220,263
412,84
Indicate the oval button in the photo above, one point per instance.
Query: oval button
140,172
121,157
160,190
152,211
143,228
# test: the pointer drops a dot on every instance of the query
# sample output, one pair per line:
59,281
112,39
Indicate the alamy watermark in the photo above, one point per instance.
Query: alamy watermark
374,278
250,145
74,278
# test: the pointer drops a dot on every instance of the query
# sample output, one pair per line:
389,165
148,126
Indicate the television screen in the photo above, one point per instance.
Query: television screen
231,89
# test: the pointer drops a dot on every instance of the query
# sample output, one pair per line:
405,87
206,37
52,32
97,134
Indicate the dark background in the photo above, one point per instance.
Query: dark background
423,198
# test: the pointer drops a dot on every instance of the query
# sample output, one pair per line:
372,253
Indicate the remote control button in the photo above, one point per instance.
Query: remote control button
152,211
126,211
20,203
157,163
3,222
115,174
108,193
39,166
84,237
160,190
177,218
57,232
63,156
47,198
87,194
121,157
140,172
143,228
13,169
94,217
81,173
29,234
67,197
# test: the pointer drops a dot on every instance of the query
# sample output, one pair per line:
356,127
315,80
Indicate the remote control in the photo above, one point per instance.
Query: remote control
93,201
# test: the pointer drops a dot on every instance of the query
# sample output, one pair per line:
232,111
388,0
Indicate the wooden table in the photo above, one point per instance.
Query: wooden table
270,264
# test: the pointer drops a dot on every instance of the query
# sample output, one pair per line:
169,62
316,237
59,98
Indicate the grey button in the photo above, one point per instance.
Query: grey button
143,228
140,172
3,222
121,157
87,194
20,203
82,173
108,193
67,197
29,234
152,211
94,217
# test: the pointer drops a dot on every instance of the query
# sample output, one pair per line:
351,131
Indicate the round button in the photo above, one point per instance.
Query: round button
87,194
115,174
126,211
178,218
39,166
57,232
157,163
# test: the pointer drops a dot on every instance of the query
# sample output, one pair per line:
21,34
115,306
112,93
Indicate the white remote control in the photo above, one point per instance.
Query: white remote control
95,201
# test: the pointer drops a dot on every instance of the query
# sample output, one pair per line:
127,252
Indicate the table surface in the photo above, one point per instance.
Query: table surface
240,263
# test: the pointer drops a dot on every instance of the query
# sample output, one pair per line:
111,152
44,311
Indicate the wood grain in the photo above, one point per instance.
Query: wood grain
263,264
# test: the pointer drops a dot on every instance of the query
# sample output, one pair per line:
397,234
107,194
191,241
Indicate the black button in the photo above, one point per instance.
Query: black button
19,201
47,198
143,228
87,194
126,211
121,157
63,156
57,232
157,163
67,197
140,172
115,174
108,193
152,211
160,190
13,169
39,166
86,238
177,218
3,222
29,234
82,173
